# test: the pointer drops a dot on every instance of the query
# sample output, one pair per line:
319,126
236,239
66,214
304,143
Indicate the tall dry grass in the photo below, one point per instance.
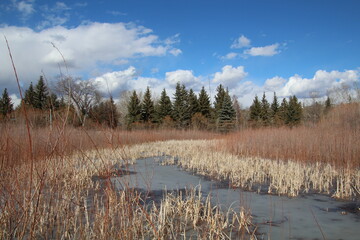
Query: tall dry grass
253,173
335,140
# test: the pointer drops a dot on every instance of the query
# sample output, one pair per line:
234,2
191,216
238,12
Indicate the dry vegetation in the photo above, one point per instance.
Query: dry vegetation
49,192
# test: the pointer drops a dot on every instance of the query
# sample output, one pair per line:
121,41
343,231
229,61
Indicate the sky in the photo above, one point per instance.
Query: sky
291,47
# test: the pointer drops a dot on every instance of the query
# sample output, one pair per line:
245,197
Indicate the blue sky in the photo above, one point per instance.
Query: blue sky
255,46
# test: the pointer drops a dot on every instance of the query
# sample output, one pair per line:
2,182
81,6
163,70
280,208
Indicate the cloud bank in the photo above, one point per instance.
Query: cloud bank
85,48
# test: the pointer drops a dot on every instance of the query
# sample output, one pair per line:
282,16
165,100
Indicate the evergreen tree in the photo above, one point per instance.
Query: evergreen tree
41,94
265,111
204,103
6,106
275,118
147,107
52,102
193,103
283,111
164,106
327,105
255,112
294,113
180,107
30,96
134,109
227,114
219,99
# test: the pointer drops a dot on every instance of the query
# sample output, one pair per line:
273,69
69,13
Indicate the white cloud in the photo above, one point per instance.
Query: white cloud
229,56
15,100
230,76
275,83
85,48
269,50
115,81
184,77
175,51
320,82
241,42
25,7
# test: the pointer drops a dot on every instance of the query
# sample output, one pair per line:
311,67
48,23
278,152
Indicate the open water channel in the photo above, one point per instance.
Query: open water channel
311,216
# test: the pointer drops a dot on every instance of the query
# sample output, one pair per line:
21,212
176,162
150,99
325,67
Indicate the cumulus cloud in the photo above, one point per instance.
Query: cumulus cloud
185,77
230,76
115,81
241,42
321,82
85,48
274,84
269,50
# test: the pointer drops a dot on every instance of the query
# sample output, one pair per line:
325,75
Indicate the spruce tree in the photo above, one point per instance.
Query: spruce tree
294,113
265,111
227,114
255,112
219,99
41,94
204,103
275,118
29,98
193,103
283,111
6,106
164,106
180,107
147,107
134,109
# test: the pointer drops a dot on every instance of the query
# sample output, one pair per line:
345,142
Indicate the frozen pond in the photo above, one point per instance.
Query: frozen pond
306,217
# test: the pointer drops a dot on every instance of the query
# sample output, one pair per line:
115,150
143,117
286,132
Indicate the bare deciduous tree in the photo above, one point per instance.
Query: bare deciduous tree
82,94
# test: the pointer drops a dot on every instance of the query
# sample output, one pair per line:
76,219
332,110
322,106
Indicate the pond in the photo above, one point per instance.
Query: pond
312,216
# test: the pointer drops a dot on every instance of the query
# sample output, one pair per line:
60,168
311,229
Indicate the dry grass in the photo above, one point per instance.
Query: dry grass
66,202
282,177
336,140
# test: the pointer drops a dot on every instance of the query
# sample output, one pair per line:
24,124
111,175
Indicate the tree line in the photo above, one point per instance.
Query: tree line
183,110
187,110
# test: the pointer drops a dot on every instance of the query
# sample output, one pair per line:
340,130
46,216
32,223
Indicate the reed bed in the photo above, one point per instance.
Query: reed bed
281,177
72,198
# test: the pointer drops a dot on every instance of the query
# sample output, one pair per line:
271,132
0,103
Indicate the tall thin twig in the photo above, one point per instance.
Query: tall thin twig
26,117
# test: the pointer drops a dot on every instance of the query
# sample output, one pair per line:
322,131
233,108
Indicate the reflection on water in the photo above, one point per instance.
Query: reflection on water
278,217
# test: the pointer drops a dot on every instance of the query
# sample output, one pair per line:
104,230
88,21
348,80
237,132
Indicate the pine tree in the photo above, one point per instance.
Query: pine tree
219,99
134,109
193,103
275,118
265,111
283,111
6,106
204,103
255,112
30,96
164,106
180,107
147,107
294,113
227,114
41,94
